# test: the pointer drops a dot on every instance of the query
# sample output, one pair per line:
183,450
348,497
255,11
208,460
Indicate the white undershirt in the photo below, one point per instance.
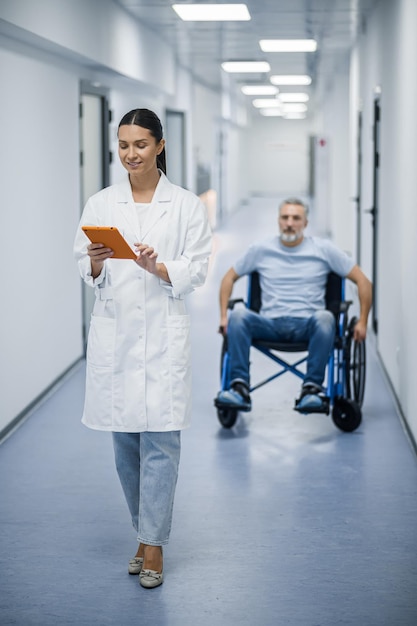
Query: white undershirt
141,212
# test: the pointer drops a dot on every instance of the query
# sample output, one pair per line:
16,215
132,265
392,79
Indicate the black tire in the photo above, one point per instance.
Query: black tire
227,417
355,367
223,352
346,414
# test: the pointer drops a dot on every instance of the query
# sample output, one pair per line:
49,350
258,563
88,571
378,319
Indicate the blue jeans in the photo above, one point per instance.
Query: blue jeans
147,464
245,325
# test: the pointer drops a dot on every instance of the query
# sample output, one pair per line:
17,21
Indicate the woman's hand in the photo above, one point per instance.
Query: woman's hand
98,254
146,257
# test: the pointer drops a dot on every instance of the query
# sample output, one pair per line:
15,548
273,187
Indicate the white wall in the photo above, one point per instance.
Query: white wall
235,188
46,49
274,157
386,59
336,128
405,221
41,296
94,32
397,303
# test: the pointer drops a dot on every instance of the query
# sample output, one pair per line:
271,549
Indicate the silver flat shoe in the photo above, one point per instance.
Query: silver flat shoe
135,565
149,578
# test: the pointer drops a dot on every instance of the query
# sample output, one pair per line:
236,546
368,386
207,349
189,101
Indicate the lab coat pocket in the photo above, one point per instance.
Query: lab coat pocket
101,338
178,327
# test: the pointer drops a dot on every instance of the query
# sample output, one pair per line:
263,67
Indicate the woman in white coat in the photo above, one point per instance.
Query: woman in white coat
138,381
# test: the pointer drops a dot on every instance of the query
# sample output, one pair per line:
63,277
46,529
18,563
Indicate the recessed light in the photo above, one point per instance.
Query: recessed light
290,79
246,66
266,102
294,107
259,90
294,116
288,45
271,112
294,97
212,12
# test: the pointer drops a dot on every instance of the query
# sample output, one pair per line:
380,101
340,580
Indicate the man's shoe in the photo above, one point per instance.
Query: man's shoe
237,397
312,400
135,565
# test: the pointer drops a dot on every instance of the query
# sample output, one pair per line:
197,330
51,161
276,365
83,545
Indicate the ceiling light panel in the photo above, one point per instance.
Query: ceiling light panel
212,12
294,116
271,112
296,107
290,79
294,97
288,45
246,66
259,90
266,103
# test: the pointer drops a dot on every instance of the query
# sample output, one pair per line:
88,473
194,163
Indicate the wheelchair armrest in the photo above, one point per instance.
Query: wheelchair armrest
344,306
339,307
231,303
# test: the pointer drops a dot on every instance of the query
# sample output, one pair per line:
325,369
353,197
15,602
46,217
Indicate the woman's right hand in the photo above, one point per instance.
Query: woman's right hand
98,254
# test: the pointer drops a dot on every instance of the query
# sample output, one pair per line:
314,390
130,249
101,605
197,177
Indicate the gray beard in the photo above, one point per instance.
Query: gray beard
289,238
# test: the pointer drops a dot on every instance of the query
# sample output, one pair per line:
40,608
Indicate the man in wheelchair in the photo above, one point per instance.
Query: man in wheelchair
293,270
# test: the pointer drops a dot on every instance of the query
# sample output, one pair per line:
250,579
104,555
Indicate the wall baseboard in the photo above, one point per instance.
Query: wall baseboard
409,433
39,400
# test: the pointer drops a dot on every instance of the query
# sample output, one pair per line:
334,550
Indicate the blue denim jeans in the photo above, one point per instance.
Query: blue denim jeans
245,325
147,464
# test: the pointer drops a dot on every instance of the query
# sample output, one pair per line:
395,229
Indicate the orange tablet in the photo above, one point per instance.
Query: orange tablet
111,238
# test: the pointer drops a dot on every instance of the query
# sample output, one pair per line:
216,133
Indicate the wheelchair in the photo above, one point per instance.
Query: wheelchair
346,367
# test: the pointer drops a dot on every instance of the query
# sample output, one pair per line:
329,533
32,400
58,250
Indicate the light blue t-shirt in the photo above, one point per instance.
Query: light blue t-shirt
293,278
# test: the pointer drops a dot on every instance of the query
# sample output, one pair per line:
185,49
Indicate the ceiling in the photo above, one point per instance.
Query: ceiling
202,46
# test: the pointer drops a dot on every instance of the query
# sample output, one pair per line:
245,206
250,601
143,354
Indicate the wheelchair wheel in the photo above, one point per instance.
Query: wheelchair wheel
223,352
346,414
355,367
227,417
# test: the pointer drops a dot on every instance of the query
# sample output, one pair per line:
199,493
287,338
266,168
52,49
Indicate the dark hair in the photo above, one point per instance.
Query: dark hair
147,119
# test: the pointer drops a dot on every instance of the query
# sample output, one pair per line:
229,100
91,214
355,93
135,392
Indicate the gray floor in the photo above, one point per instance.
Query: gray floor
281,521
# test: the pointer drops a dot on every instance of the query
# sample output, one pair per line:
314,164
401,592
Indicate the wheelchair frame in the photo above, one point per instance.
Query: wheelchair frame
346,367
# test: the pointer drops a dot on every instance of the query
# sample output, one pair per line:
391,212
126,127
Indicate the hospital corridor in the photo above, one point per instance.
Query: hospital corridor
280,517
283,519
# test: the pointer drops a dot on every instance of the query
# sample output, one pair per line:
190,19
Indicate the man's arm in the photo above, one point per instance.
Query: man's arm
365,300
226,288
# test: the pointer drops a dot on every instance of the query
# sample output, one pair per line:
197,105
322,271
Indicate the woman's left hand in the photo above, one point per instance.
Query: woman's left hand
146,257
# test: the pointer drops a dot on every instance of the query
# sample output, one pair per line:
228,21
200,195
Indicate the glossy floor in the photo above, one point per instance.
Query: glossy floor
281,521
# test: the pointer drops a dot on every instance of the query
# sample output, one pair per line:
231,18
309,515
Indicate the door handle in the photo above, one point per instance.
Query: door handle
371,211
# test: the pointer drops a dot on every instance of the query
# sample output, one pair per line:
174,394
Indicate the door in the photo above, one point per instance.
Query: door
175,153
94,161
358,198
375,208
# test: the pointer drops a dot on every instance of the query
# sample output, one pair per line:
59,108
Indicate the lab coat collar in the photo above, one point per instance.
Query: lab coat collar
163,191
159,205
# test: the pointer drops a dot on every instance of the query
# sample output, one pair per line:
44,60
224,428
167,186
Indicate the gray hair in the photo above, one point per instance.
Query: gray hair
296,201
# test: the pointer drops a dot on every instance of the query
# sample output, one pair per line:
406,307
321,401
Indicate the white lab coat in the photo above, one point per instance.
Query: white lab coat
138,353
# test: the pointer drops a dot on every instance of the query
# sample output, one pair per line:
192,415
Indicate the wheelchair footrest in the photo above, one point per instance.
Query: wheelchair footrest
322,405
229,405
